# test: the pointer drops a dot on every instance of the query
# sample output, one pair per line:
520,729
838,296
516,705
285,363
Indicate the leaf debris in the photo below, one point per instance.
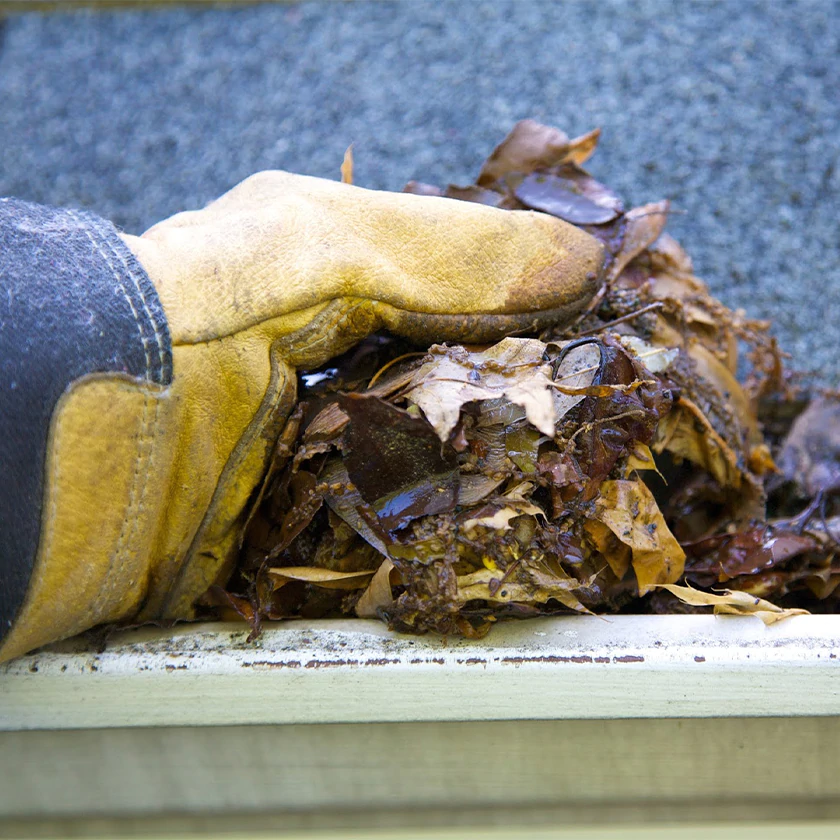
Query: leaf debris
614,464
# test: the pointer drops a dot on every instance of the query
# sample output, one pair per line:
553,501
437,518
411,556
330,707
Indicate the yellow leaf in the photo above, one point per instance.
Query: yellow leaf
326,578
615,552
641,458
485,585
733,602
629,510
378,595
687,432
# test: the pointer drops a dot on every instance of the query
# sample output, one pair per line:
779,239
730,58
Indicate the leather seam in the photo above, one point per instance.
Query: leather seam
134,504
270,404
354,303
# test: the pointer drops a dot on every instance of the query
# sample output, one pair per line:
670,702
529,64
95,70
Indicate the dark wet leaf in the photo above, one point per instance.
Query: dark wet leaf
609,427
397,462
557,196
306,502
726,556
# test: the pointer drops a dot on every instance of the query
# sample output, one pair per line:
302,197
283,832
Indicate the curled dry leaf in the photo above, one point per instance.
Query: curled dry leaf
378,595
531,146
731,602
643,227
320,577
688,433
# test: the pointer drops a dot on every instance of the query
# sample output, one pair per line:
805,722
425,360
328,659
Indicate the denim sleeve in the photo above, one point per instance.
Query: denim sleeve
73,301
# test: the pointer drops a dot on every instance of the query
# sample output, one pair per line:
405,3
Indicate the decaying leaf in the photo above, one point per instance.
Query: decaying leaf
498,515
731,602
486,585
810,456
396,462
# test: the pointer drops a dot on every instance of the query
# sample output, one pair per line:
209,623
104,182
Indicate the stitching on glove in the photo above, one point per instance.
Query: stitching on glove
116,275
98,242
130,265
274,408
135,502
134,505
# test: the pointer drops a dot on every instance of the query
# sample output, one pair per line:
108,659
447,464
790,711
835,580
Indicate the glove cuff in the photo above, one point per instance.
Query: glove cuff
74,304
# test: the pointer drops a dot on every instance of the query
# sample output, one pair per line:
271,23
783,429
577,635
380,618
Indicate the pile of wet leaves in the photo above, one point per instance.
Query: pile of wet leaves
614,465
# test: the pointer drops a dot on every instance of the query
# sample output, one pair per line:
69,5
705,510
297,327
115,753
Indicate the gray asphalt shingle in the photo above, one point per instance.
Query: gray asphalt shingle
730,109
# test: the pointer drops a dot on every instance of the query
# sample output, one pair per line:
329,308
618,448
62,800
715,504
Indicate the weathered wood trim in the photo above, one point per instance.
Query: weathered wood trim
357,671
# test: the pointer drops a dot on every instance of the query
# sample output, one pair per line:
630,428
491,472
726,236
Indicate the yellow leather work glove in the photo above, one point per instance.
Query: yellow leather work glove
146,480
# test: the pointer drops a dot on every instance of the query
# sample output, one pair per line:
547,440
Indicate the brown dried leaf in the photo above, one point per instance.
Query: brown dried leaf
529,146
643,227
733,603
629,510
326,425
582,148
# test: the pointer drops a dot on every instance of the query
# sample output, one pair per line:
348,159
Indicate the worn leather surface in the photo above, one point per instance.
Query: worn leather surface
282,272
73,302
